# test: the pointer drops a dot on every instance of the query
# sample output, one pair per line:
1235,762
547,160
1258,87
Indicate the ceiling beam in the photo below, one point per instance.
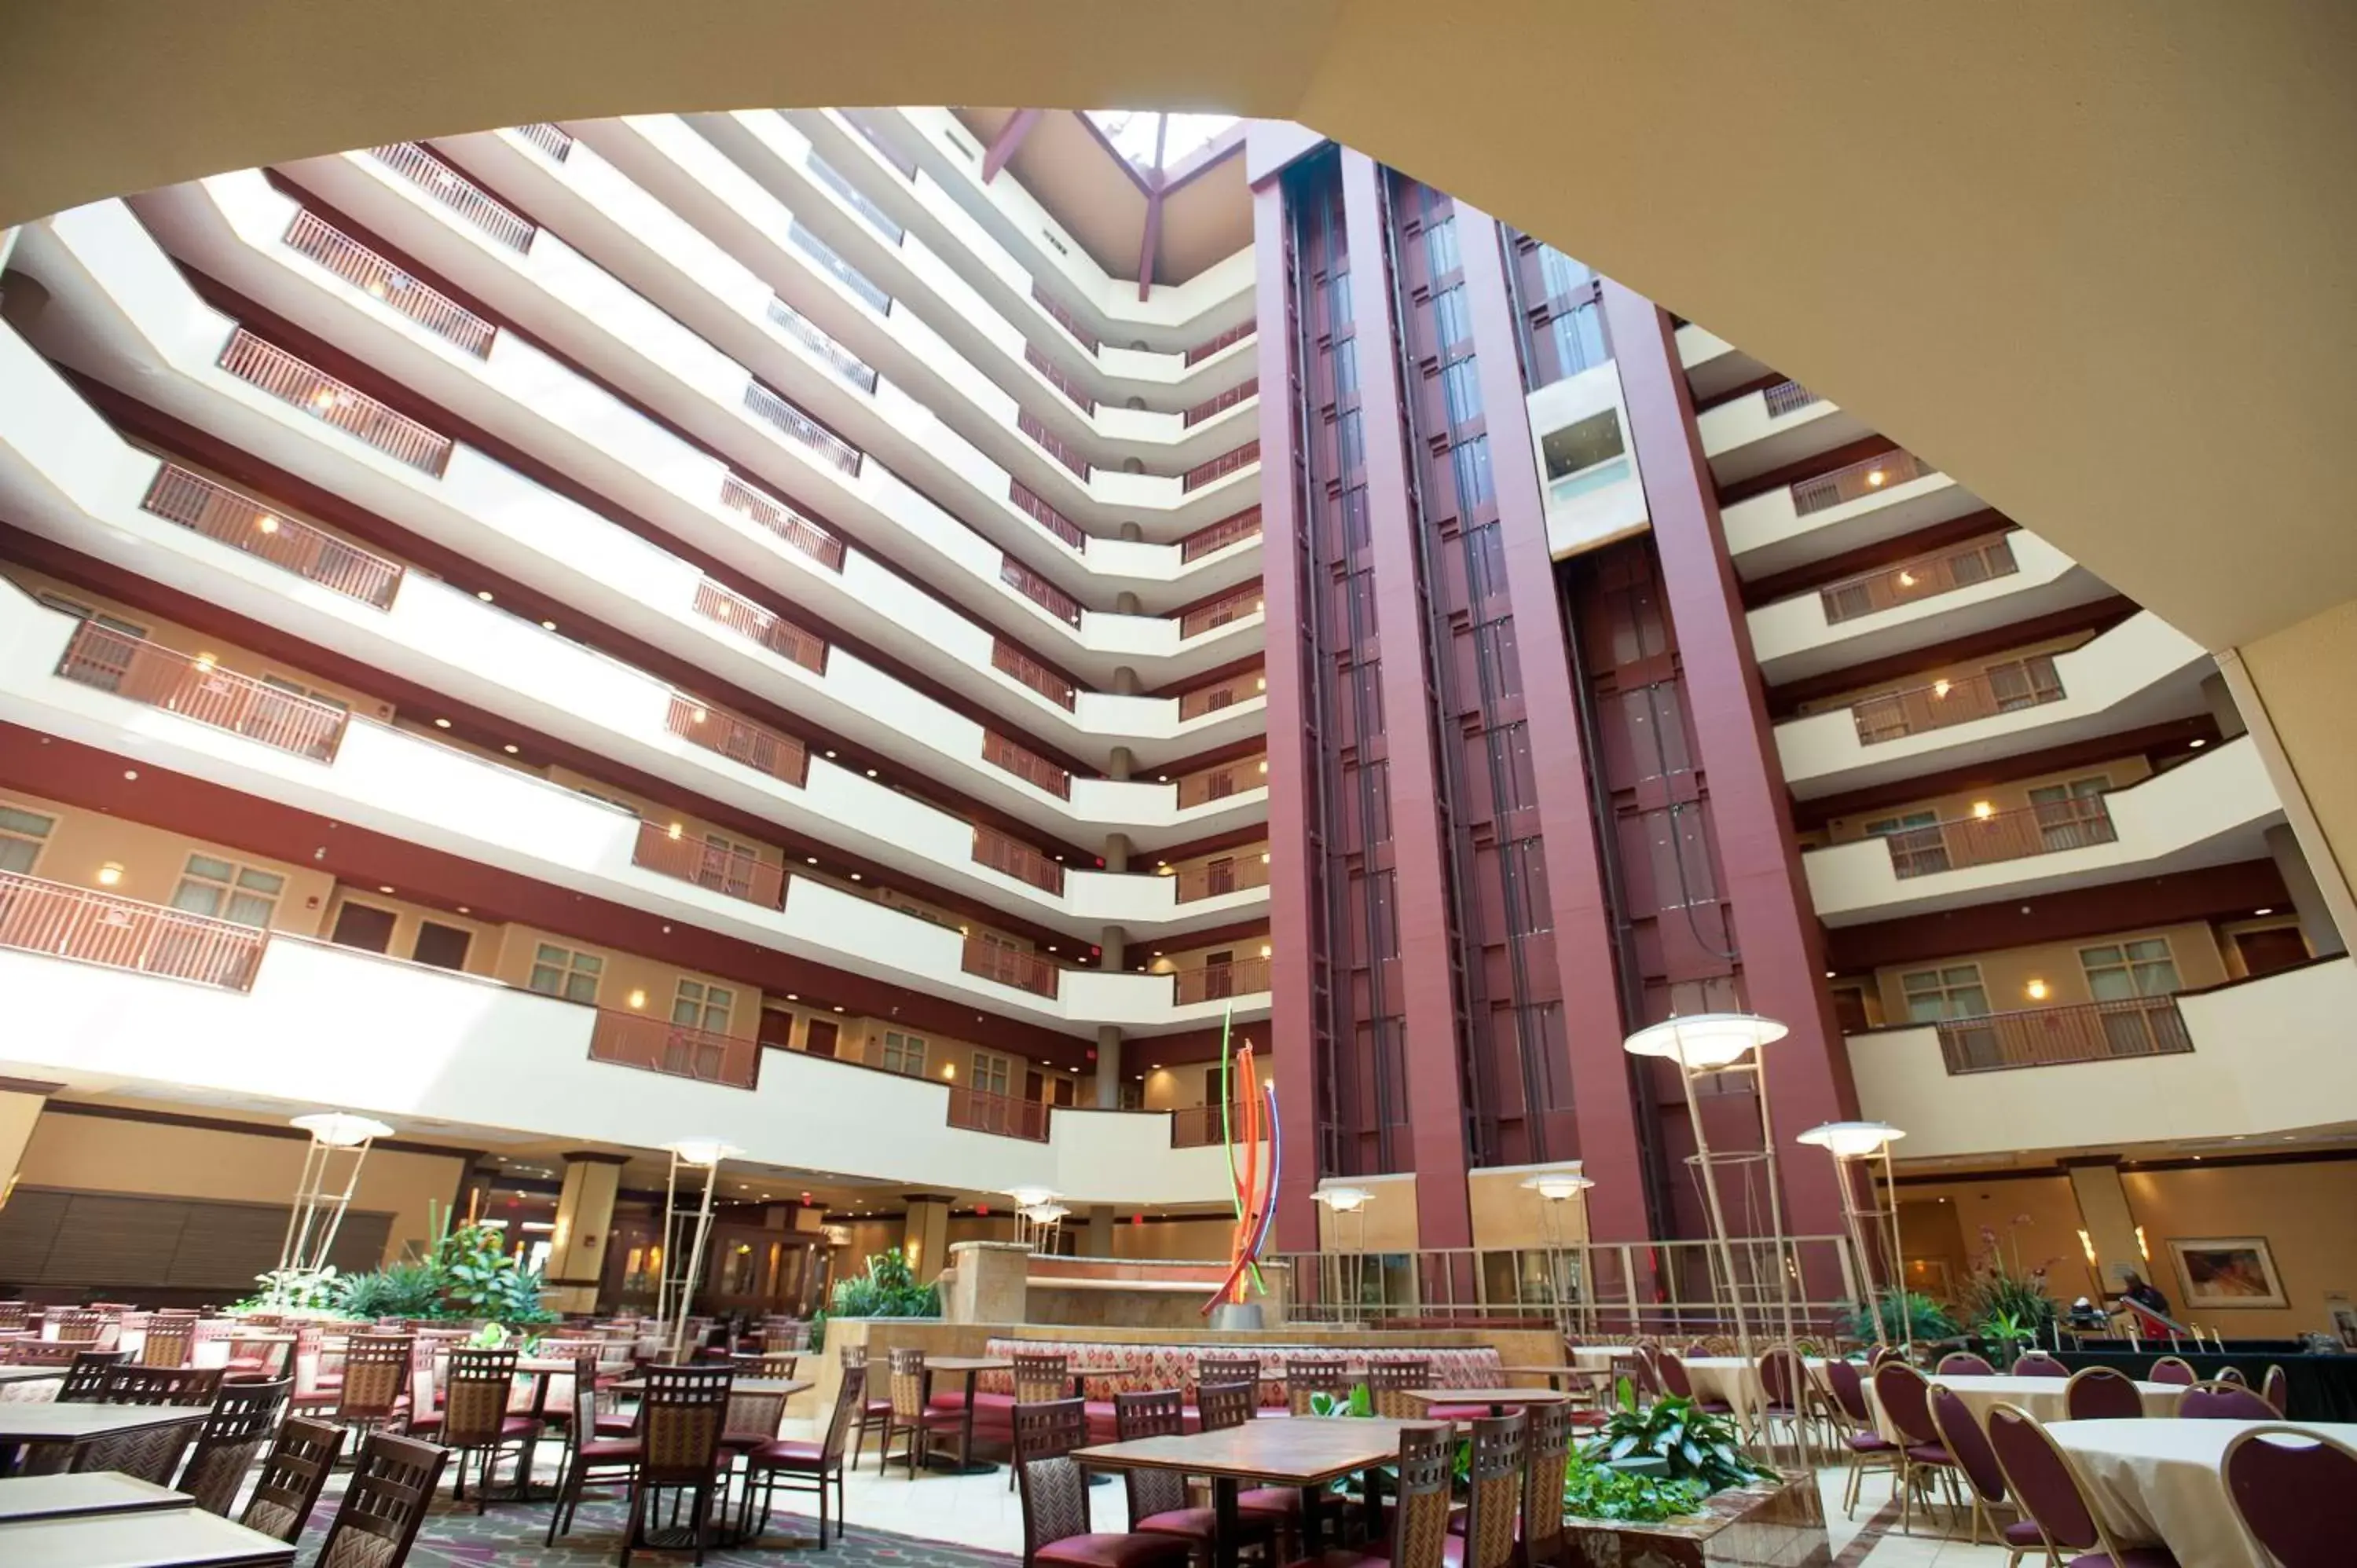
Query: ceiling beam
1150,242
1011,136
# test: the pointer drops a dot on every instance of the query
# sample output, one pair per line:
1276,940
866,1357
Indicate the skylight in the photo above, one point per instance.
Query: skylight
1136,133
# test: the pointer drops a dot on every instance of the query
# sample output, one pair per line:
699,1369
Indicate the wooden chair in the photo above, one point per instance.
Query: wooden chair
159,1385
1388,1383
475,1420
167,1342
74,1325
1229,1370
1040,1377
1497,1475
1545,1469
376,1381
1220,1405
591,1457
151,1452
876,1412
801,1466
292,1478
13,1315
681,1416
911,1416
86,1376
1056,1497
1427,1456
244,1414
1307,1375
770,1364
392,1483
1158,1499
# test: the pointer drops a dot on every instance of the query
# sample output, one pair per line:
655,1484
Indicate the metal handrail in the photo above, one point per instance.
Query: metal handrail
817,543
1867,476
2001,688
678,1050
853,370
2053,1036
292,380
1232,605
213,509
673,852
462,196
1221,467
1038,590
1010,966
1026,765
1033,505
781,756
801,427
309,235
1016,664
63,921
195,687
1212,981
1018,859
1228,531
2075,824
765,626
1917,577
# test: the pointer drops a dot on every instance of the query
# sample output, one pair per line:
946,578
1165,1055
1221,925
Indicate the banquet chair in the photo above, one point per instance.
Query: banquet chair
591,1457
1868,1449
1670,1371
2224,1402
684,1411
2173,1370
2102,1393
2296,1492
801,1464
244,1414
1961,1431
1158,1499
1963,1364
1056,1499
1388,1383
2037,1364
393,1484
293,1477
2276,1389
1907,1406
1785,1393
2232,1375
2047,1488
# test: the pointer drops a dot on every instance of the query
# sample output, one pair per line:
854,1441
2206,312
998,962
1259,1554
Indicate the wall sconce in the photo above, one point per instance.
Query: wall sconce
1982,810
638,998
1905,579
109,874
1263,949
266,523
674,830
1940,687
2143,1250
2035,991
2087,1245
949,1070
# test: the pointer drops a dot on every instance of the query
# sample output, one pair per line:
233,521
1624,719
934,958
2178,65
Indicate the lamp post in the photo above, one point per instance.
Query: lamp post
1853,1144
1705,1043
696,1154
1556,1189
319,1205
1348,1203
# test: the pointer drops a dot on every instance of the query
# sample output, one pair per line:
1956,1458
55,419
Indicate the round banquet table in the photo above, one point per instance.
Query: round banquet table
2160,1481
2041,1397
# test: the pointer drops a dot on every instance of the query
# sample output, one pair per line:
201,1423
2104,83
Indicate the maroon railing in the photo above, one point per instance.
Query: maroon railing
354,262
1005,1115
460,194
1221,467
1228,531
349,410
1238,688
1867,476
1920,577
1010,966
1051,443
1063,316
196,688
1219,783
1786,396
1059,378
801,427
1210,346
1028,502
1231,605
218,513
1011,660
1038,590
846,364
1245,977
771,631
652,1045
76,923
2075,823
547,138
783,520
765,750
1222,876
1954,700
1225,401
674,851
2053,1037
1029,766
1018,859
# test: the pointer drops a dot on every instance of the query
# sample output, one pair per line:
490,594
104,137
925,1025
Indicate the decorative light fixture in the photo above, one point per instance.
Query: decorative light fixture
1348,1203
1853,1144
1874,478
1940,687
266,523
675,1296
1984,810
2195,744
109,874
1905,579
1556,1189
319,1206
2036,991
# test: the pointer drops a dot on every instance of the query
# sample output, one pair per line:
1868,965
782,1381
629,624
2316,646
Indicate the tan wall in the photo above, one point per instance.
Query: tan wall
1943,1223
2232,956
2301,675
1191,1240
1954,671
2010,796
152,860
2306,1213
106,1155
1389,1217
626,973
1506,1214
2007,973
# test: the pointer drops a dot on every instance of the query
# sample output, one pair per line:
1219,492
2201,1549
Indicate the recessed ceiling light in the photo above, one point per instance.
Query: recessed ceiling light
810,860
855,876
838,1009
2263,911
464,910
795,996
871,773
2196,745
830,754
131,773
384,889
441,723
509,750
484,594
548,626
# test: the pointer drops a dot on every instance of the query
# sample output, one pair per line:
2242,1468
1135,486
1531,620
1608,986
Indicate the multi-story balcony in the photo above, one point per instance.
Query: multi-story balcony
102,999
1972,585
2209,811
1766,429
1714,366
1887,496
2142,671
2214,1067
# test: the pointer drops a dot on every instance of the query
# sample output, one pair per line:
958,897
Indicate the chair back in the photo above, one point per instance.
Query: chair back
1906,1402
2276,1389
167,1342
2043,1482
86,1376
849,1394
475,1397
774,1364
1041,1378
243,1415
1219,1406
1228,1370
1783,1376
1548,1462
2224,1402
2232,1375
584,1423
2037,1364
159,1385
2173,1370
376,1374
293,1477
1882,1353
72,1323
1638,1368
12,1317
1160,1413
2102,1393
376,1524
40,1353
683,1413
1055,1493
1307,1375
1963,1364
1427,1455
1671,1370
906,1386
2297,1493
1849,1392
1497,1473
851,1353
1967,1444
754,1415
1388,1383
147,1452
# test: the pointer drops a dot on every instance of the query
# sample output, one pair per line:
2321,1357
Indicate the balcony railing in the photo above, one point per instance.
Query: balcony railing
1210,346
828,260
460,194
1225,401
765,750
1018,859
1063,316
857,120
1221,467
1010,966
2000,689
1785,397
1228,531
1051,443
196,688
859,201
1219,783
1029,766
1227,694
653,1045
674,851
2075,824
1057,378
242,522
1245,977
1027,501
547,138
1222,877
1197,1127
1921,577
288,379
1867,477
771,631
1038,590
354,262
800,428
1011,660
782,520
1232,605
2053,1037
854,370
75,923
1004,1115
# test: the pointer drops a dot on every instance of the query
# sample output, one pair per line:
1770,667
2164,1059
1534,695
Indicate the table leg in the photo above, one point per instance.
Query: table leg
1313,1520
965,1430
1226,1523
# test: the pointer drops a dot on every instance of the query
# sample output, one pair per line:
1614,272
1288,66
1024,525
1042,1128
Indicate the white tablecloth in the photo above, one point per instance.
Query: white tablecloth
2159,1481
2041,1397
1732,1379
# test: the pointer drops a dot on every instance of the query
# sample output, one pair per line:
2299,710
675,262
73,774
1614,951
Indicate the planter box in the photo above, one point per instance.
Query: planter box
1767,1525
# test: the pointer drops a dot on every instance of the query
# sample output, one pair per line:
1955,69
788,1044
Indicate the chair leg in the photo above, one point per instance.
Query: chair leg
821,1506
564,1491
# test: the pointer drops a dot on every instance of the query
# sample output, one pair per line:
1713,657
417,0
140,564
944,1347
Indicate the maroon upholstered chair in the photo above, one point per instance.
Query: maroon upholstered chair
1056,1497
1868,1449
1158,1499
593,1457
2232,1375
800,1464
1907,1406
2276,1389
2173,1370
1670,1367
2297,1494
2037,1364
2102,1393
1961,1431
1963,1364
2226,1402
2047,1488
1787,1395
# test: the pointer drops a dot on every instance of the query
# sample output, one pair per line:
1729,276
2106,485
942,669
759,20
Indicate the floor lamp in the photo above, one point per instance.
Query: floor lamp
1027,1198
1044,1219
1854,1146
1348,1203
694,1155
1702,1044
319,1203
1556,1189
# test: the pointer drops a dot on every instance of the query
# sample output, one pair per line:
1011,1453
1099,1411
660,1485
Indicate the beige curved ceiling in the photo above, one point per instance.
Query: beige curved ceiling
2096,258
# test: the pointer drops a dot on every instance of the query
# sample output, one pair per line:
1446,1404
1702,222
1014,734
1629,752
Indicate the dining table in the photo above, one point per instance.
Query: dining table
2163,1482
1561,1375
14,1374
70,1493
1500,1399
1733,1379
151,1538
53,1422
969,1367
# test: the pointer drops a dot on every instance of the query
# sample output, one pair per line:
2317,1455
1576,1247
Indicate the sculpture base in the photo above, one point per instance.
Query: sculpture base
1244,1315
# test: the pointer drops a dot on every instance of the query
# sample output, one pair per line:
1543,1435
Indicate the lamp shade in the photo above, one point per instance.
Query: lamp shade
341,1129
1557,1185
1704,1041
703,1151
1849,1140
1029,1196
1343,1199
1045,1213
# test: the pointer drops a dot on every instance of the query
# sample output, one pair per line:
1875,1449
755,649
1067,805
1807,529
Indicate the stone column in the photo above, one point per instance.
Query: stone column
21,1099
584,1224
1098,1242
925,1235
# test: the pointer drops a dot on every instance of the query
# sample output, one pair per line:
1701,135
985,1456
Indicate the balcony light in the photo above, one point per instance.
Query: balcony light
2195,744
1905,579
1706,1042
2036,991
697,715
638,999
511,750
484,594
1030,1197
674,831
548,626
1874,478
1264,765
2259,912
441,723
383,889
266,523
1851,1140
1939,688
1263,949
109,874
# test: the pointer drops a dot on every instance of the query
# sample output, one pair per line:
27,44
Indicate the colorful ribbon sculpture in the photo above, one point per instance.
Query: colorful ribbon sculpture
1243,1097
